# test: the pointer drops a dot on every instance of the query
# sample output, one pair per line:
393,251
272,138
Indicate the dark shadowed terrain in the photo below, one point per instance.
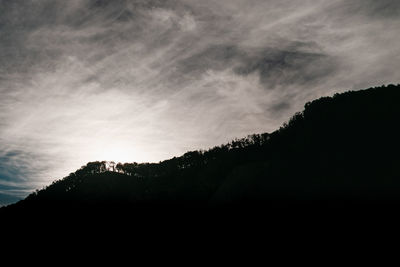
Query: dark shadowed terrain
340,151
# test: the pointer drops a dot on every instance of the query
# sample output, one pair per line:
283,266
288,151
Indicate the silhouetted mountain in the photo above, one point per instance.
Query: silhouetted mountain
341,150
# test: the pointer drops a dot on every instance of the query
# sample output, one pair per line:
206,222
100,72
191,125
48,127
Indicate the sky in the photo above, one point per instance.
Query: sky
146,80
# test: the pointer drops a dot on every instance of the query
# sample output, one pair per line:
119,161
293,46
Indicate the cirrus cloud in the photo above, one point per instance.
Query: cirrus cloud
136,80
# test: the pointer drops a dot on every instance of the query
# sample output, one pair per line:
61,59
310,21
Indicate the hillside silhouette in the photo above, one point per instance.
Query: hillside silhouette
340,151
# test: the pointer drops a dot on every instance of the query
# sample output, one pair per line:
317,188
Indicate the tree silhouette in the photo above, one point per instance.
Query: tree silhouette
340,151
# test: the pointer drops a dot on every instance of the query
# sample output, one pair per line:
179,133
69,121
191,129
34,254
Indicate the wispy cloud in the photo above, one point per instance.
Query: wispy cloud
85,80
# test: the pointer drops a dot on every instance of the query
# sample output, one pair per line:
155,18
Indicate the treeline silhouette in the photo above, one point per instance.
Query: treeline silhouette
340,151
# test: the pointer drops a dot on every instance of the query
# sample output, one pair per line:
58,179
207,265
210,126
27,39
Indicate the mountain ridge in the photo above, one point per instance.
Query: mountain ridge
339,151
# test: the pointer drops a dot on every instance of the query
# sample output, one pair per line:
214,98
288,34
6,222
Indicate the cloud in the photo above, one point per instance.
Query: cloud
384,9
291,66
137,80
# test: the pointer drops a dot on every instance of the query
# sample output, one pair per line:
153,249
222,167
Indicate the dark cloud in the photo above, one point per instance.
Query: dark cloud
292,64
382,9
288,67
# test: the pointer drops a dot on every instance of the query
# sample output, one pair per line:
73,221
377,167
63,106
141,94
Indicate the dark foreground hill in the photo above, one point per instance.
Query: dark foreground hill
340,151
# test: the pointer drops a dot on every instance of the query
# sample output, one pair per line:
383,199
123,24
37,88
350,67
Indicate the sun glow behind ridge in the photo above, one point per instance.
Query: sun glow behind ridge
117,152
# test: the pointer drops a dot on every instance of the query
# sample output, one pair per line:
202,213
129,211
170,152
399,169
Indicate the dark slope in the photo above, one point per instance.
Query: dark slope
340,151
